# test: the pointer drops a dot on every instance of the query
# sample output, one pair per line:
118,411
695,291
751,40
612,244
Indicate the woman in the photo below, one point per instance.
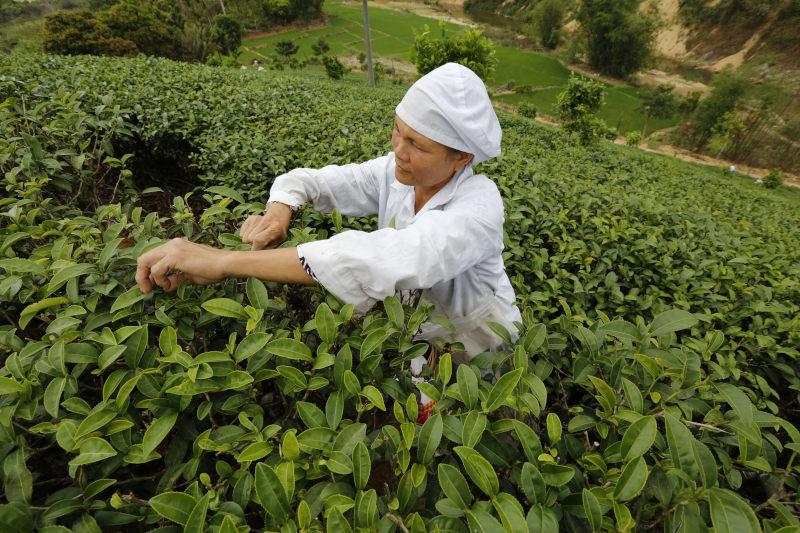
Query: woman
440,225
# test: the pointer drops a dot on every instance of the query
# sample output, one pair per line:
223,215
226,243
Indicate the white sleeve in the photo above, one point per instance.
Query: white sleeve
364,268
353,189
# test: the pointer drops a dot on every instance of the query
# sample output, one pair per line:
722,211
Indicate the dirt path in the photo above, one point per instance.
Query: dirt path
788,179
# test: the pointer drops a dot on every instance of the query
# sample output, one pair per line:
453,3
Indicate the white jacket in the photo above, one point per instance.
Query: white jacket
452,247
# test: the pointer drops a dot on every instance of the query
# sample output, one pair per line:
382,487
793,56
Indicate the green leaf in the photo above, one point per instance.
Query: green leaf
348,437
554,428
473,427
52,395
127,299
10,386
64,275
394,311
339,463
454,485
592,510
680,442
479,470
532,483
257,293
315,438
174,506
228,525
730,513
158,431
672,320
337,522
168,341
482,522
542,519
620,329
326,323
632,481
638,438
556,475
362,465
94,421
30,311
290,349
373,342
374,395
510,512
226,191
92,450
18,484
632,395
738,401
271,494
311,415
429,438
251,345
97,486
225,307
502,389
196,523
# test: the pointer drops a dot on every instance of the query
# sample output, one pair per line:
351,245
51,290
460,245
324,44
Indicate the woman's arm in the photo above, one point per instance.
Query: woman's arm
179,260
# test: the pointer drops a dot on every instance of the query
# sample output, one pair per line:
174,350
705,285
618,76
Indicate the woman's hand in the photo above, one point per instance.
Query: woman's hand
269,230
179,260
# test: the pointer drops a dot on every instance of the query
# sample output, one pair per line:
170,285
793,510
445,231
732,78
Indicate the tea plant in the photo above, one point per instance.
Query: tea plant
653,385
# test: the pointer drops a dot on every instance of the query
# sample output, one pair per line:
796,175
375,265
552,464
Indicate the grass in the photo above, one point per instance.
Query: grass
392,37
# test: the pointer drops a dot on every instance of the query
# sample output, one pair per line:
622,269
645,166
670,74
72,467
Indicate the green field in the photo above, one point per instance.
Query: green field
653,385
393,33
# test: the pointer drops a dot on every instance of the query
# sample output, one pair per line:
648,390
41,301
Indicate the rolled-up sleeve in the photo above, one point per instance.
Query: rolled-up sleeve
363,268
353,189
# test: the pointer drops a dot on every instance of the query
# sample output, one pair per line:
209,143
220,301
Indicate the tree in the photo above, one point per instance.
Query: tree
577,106
619,37
469,48
333,67
658,103
321,47
227,34
286,48
80,32
728,90
145,26
548,18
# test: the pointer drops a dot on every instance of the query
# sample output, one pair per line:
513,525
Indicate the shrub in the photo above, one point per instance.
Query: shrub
145,26
577,106
653,384
469,48
286,48
728,89
71,33
633,138
773,180
548,17
659,102
526,109
333,67
321,47
227,34
619,37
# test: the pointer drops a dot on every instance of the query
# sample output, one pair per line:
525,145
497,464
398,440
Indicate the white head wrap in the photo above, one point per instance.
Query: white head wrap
450,106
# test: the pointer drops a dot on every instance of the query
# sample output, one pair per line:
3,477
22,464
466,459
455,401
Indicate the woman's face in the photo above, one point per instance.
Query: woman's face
422,162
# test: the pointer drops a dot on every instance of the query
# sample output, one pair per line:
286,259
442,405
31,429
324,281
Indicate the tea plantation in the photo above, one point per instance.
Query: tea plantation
654,386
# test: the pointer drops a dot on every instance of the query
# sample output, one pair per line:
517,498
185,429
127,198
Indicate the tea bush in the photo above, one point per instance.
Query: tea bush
653,386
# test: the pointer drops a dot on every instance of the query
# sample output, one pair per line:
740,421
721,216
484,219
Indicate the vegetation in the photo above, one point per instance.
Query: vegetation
333,67
654,383
578,106
469,48
773,180
619,37
548,18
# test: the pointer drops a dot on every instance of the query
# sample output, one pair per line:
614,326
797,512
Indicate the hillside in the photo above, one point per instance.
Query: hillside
653,385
